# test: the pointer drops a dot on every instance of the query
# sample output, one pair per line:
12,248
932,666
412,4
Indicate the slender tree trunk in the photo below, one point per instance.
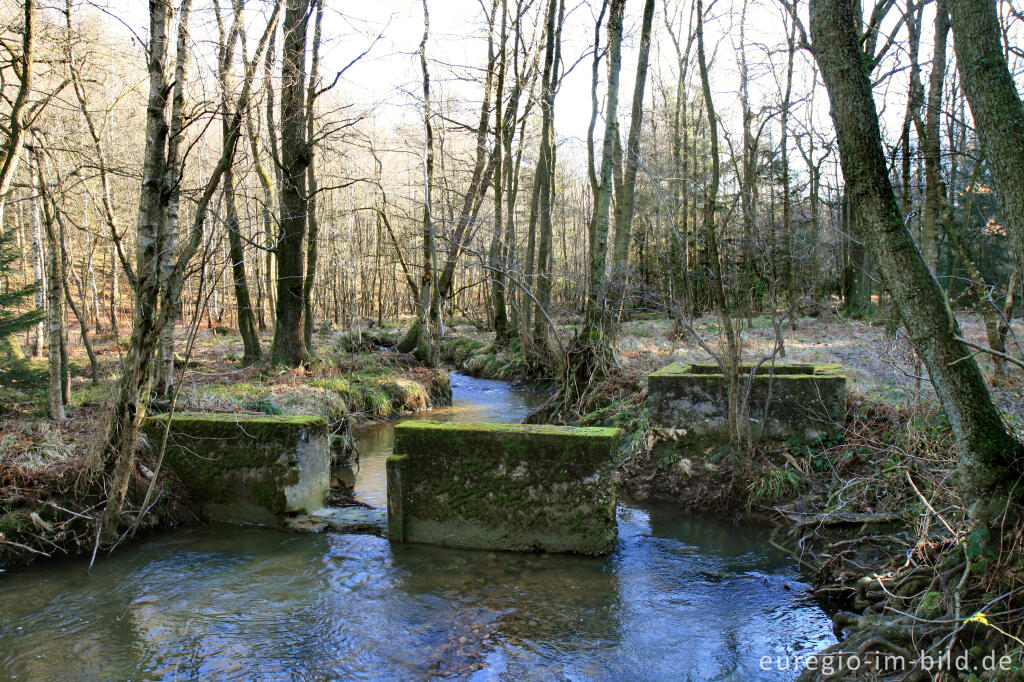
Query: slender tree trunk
730,362
546,191
267,214
236,250
83,319
596,307
10,152
497,250
426,344
55,331
313,236
117,451
38,254
167,237
791,265
934,192
626,198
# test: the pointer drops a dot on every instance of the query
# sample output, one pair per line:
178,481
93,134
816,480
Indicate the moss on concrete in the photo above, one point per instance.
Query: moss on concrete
238,460
787,400
779,370
505,486
255,427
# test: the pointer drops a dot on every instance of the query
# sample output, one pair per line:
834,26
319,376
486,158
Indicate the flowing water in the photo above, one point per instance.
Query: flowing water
681,599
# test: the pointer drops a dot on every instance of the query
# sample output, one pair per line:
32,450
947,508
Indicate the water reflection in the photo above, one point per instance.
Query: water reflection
679,599
476,400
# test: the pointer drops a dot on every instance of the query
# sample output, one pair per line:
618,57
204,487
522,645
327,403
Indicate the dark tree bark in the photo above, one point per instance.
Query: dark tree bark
313,236
995,105
236,250
289,347
990,459
626,197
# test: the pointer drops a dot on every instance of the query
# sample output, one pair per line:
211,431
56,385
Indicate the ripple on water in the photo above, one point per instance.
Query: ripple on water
680,598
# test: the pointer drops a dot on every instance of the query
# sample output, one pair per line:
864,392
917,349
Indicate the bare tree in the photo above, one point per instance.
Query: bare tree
988,453
156,296
289,347
995,105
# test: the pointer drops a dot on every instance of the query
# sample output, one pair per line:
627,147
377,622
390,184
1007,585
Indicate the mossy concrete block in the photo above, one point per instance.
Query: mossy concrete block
503,486
787,400
245,467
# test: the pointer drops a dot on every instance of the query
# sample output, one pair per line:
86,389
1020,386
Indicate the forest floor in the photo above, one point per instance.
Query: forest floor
46,510
850,508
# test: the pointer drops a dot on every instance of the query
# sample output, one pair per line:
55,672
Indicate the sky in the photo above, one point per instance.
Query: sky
386,79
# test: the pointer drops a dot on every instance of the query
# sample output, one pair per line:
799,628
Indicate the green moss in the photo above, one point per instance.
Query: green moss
521,481
229,458
89,394
932,606
260,428
781,370
241,391
492,427
336,384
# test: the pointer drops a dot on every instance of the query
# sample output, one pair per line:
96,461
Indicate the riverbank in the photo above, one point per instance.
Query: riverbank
46,509
872,514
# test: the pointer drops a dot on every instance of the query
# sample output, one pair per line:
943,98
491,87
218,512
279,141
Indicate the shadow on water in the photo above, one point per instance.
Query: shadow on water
681,598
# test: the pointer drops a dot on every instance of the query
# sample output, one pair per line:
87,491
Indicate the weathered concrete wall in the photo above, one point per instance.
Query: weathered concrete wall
791,400
247,468
503,486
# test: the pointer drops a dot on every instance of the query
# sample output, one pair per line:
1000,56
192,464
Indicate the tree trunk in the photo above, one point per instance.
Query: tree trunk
289,346
497,251
156,297
236,250
625,200
995,105
427,342
18,127
730,362
546,173
990,458
167,236
934,192
313,236
595,313
38,255
55,331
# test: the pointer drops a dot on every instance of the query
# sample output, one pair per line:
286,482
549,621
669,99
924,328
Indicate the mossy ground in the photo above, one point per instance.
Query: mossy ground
344,383
482,359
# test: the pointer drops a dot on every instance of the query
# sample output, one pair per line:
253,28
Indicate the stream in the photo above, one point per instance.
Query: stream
681,598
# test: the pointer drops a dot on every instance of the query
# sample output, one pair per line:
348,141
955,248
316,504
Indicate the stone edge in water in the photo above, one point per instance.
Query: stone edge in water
499,486
252,467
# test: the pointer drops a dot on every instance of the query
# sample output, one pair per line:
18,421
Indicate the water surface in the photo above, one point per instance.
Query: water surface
681,599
